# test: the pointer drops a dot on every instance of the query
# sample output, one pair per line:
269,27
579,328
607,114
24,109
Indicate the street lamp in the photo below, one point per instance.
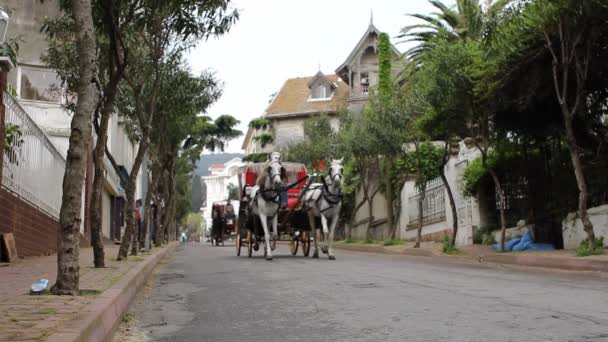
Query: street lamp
3,25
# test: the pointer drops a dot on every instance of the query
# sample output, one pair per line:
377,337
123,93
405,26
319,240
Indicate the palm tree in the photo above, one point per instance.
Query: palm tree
466,20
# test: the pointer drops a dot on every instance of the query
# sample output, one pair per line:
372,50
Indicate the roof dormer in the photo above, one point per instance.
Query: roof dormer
321,88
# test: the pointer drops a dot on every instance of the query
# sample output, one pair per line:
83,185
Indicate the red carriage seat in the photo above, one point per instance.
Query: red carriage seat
250,177
295,192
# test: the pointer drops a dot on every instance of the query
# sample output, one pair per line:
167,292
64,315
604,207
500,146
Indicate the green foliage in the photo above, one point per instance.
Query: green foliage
233,192
193,223
424,161
595,248
260,124
321,143
447,248
10,49
264,139
385,56
12,139
392,242
484,236
256,157
473,174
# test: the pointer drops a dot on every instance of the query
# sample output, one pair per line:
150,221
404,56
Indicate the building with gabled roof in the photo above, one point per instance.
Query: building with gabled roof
303,97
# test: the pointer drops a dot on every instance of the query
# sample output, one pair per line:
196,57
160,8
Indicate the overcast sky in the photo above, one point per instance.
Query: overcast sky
279,39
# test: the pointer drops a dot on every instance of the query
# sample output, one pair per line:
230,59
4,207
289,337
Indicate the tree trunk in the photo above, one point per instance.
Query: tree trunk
130,207
501,197
583,192
420,217
159,215
147,213
452,207
353,217
446,158
390,216
68,250
96,210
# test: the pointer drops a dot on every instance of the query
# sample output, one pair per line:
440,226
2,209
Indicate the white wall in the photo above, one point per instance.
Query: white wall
106,203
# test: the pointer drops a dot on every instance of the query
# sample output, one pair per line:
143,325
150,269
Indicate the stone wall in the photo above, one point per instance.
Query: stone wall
572,227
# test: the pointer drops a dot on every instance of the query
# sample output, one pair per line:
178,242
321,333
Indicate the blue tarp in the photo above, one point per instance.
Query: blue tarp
524,243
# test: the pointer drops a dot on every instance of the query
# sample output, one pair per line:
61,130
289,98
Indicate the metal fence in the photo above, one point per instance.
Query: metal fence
33,168
433,206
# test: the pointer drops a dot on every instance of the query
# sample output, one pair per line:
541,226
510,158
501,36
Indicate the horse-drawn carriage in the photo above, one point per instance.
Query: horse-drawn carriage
280,198
292,222
223,222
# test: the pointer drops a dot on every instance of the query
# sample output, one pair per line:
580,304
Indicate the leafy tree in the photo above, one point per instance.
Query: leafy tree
321,143
158,38
424,161
466,21
576,37
362,167
185,135
444,93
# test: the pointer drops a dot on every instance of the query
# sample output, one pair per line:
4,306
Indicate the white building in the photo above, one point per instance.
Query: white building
217,184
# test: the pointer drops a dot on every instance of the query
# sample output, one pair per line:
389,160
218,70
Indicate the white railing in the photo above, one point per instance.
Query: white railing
33,169
433,206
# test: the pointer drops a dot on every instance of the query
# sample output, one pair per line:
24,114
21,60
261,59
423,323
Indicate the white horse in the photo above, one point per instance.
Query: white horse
325,201
265,198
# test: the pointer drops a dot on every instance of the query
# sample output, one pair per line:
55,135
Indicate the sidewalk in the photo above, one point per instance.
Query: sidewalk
35,318
559,259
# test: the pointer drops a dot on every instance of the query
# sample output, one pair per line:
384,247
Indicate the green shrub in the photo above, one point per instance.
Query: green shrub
587,249
392,242
370,241
446,248
488,239
484,236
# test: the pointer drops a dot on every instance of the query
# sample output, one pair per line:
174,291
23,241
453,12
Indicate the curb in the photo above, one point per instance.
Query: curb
528,260
101,318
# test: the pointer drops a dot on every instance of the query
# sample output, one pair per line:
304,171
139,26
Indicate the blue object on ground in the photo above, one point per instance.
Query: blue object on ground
40,285
508,245
524,243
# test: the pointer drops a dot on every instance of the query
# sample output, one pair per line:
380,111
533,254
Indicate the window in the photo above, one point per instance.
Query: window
321,92
39,84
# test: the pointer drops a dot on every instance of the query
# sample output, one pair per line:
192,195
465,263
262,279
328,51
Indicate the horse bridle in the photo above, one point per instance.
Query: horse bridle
275,197
332,198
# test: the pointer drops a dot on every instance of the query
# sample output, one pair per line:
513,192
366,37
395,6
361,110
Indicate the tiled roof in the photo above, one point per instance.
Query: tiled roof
293,97
216,167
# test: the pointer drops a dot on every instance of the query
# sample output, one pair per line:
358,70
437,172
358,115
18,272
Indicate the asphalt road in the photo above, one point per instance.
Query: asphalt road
208,294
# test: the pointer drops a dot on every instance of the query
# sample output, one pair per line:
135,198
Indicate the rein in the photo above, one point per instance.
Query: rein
331,198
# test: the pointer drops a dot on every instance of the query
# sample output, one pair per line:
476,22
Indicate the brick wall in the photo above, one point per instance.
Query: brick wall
35,232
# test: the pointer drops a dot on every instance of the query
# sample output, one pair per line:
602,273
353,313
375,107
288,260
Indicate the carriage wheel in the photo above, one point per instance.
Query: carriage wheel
249,244
238,245
305,243
293,245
